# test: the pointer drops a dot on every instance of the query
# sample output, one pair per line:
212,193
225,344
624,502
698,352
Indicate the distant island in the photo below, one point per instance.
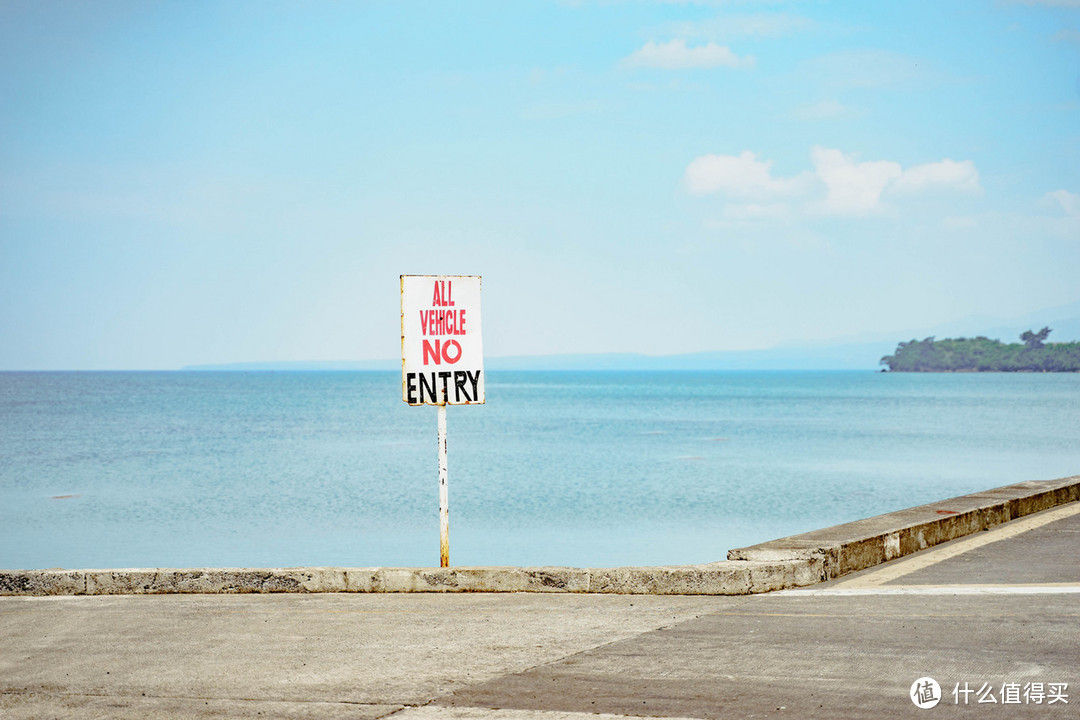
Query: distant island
981,354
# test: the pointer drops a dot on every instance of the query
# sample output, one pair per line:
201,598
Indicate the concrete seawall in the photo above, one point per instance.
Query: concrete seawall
853,546
793,561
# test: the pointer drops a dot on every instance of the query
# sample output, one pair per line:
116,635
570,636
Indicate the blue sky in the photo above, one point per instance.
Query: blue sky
201,182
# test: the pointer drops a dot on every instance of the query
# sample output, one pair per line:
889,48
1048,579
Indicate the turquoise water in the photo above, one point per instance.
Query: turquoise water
602,468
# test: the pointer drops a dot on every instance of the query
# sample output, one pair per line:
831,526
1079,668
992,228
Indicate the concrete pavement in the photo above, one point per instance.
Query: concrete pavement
996,614
319,655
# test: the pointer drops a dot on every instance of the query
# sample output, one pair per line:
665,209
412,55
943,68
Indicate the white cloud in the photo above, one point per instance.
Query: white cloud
1069,202
852,188
946,173
840,184
675,55
740,176
1065,226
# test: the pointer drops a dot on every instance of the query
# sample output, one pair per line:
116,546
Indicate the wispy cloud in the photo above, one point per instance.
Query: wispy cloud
757,211
1049,3
960,222
864,69
1068,35
721,3
827,110
1066,225
676,55
556,111
756,25
1067,201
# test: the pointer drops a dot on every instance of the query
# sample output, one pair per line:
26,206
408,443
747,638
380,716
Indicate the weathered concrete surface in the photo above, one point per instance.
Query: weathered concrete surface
861,544
93,707
325,655
808,653
812,657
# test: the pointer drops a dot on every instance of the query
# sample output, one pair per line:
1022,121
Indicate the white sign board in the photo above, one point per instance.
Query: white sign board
442,353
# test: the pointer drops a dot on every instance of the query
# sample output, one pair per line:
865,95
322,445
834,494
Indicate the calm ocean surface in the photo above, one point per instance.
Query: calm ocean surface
187,469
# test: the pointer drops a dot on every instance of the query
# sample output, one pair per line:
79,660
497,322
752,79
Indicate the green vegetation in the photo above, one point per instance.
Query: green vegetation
982,354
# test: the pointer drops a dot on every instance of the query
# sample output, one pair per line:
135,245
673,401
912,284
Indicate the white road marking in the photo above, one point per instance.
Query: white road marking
438,712
1043,589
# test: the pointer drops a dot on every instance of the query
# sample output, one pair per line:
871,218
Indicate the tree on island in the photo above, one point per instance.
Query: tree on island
1035,340
981,354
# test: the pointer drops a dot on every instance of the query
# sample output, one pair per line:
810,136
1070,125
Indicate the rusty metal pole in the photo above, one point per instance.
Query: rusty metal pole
444,509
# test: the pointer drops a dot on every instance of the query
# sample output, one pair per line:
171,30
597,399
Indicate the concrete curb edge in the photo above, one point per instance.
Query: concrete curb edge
794,561
720,578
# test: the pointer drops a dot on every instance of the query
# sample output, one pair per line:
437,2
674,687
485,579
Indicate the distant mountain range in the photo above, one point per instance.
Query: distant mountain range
861,352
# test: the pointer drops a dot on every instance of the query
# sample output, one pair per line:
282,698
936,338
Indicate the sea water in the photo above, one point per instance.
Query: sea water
264,469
